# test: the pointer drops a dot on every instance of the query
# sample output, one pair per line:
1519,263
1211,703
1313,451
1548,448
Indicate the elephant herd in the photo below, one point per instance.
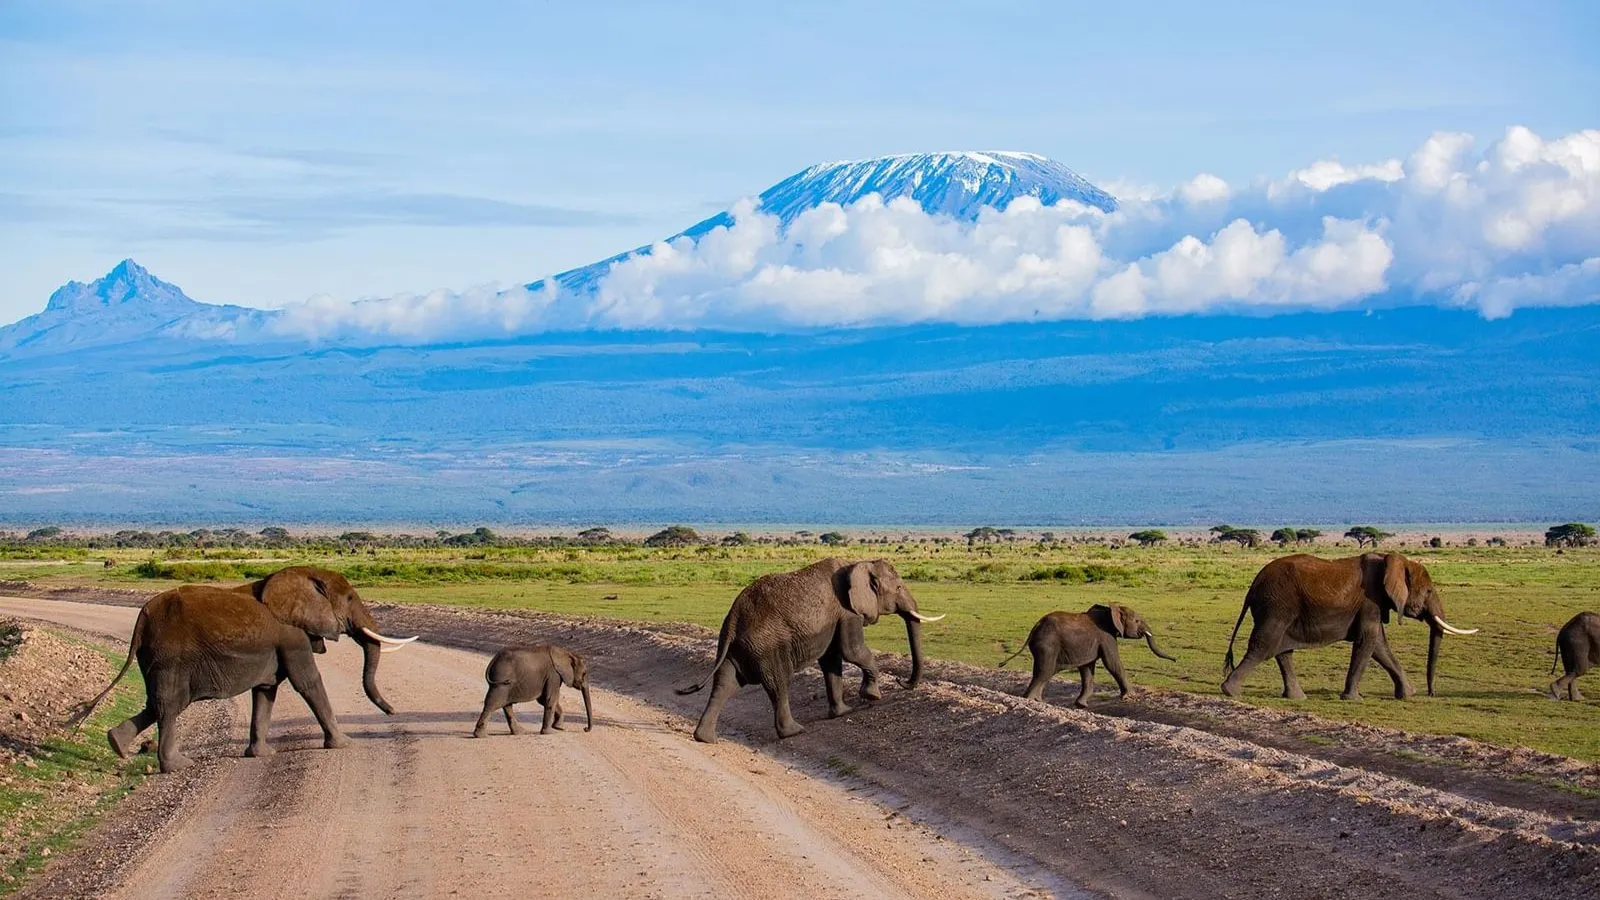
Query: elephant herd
200,642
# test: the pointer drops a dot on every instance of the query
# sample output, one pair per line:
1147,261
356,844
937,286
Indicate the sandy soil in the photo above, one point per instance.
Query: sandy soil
417,808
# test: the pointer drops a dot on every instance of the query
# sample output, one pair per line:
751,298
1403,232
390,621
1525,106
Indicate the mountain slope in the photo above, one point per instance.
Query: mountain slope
127,304
959,184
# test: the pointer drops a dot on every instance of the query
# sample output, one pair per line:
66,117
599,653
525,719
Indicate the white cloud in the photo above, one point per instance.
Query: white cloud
1515,225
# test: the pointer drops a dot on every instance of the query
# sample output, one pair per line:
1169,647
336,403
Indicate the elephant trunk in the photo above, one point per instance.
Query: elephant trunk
1150,639
1435,635
588,708
371,650
914,638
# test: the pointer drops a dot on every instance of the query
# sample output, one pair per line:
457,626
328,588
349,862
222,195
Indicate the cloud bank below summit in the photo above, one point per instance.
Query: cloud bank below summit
1513,224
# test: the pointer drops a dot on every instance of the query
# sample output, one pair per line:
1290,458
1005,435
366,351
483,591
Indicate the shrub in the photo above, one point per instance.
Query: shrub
10,639
673,536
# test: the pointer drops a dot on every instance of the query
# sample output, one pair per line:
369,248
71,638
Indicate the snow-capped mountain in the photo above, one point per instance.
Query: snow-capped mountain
127,304
959,184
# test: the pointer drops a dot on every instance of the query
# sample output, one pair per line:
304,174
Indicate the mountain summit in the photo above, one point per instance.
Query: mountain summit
126,304
959,184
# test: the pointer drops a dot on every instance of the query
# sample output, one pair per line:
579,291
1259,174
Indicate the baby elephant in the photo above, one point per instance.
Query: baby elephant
519,674
1578,646
1079,640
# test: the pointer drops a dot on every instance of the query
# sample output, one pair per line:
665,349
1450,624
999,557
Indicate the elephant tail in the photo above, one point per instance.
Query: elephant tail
724,640
1025,645
1227,662
85,710
1557,658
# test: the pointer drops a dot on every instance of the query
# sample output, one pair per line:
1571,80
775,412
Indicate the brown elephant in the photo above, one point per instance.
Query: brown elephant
519,674
204,643
1578,651
1304,601
1079,640
783,622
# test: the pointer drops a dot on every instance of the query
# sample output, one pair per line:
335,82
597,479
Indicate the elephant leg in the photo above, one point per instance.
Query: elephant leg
1291,684
1385,658
1086,688
307,682
1572,690
1360,655
1264,641
1113,661
493,700
853,644
1044,669
832,665
559,715
174,701
724,684
261,700
777,687
123,736
510,712
551,701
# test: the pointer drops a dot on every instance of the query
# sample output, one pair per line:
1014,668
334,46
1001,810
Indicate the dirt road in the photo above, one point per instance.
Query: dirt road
416,808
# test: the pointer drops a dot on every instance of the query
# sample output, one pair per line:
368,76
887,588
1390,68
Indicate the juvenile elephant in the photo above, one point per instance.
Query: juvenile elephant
1303,601
1079,640
782,622
206,643
519,674
1578,647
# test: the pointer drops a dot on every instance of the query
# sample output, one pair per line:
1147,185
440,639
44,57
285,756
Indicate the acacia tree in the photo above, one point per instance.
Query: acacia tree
1572,534
1148,537
673,536
1367,534
1244,537
982,534
1286,536
832,538
1306,535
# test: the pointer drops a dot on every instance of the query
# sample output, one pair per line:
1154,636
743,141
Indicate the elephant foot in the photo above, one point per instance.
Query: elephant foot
546,730
705,735
335,742
1294,694
1575,695
790,730
1081,703
477,732
175,762
1350,695
256,751
1229,689
121,739
870,692
1403,693
835,712
518,729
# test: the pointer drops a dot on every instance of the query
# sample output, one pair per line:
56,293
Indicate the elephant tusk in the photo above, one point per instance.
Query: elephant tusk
388,643
1451,629
922,618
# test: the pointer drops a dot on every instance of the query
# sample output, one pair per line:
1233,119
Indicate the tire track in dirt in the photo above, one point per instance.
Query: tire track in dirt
415,807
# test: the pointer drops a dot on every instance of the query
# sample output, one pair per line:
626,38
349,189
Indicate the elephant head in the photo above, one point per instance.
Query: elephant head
1125,623
325,605
1408,591
873,588
575,674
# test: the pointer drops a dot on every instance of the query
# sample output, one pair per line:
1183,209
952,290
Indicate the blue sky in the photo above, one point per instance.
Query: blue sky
265,155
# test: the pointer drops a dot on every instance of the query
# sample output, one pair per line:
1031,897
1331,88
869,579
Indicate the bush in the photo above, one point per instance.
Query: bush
10,639
833,538
1089,573
673,536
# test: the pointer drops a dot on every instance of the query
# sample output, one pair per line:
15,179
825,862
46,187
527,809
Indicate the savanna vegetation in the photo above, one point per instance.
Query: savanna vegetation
993,582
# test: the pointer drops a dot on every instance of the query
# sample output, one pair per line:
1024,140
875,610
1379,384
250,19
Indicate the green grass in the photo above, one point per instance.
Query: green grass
1489,684
82,756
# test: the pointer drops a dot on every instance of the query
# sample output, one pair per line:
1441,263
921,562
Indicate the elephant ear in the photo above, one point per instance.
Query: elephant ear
1394,582
1116,620
567,666
300,599
860,596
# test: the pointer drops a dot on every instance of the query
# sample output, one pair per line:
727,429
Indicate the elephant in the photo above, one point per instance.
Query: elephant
1578,649
1079,640
199,642
782,622
1303,601
519,674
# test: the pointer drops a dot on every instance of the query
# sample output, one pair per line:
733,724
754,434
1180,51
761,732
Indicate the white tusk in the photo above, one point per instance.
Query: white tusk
922,618
1451,629
1149,630
388,642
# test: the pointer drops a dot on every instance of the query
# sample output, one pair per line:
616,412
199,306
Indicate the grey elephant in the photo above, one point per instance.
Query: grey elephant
519,674
1578,650
783,622
1080,640
1303,601
205,643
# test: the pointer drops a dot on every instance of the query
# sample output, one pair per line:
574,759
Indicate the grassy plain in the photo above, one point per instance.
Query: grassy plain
1490,684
